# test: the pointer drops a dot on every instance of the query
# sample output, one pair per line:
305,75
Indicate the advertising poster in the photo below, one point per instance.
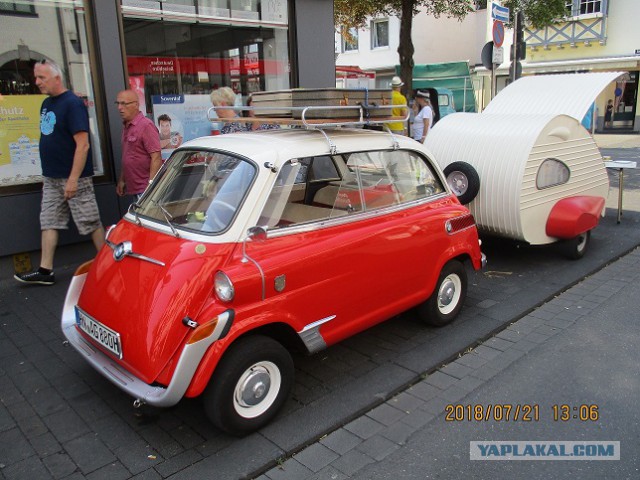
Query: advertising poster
136,83
180,118
19,137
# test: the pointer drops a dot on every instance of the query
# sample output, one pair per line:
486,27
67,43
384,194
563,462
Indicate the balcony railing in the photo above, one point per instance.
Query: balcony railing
586,24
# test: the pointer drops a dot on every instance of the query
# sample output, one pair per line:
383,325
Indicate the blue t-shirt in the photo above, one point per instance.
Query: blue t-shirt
60,118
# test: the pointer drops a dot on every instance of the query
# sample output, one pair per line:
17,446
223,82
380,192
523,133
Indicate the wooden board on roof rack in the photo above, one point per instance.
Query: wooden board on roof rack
288,103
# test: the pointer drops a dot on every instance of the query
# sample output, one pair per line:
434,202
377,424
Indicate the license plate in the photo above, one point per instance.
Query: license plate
106,337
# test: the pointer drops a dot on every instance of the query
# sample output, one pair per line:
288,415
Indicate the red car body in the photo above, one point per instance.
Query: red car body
163,304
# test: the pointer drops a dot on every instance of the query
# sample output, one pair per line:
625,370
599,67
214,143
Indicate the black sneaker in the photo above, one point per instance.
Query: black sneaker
36,278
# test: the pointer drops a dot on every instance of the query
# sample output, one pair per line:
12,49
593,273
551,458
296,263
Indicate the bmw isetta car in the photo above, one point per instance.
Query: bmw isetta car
248,245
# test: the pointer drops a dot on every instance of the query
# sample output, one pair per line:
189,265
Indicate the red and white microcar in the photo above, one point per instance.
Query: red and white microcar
249,245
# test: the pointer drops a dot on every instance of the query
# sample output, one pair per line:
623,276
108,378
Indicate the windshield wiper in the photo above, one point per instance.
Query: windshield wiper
168,218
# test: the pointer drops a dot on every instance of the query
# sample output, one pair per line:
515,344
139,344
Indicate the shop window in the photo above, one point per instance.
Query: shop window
380,33
175,62
56,32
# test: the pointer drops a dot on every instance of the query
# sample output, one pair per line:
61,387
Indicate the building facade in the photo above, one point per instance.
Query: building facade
595,35
172,52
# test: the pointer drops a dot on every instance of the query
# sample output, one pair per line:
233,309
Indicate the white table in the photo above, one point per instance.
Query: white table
620,165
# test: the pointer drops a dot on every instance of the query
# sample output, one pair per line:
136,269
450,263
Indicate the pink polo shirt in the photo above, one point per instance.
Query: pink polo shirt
140,138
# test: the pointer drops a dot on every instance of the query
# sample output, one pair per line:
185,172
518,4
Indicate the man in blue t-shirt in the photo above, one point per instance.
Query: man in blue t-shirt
67,187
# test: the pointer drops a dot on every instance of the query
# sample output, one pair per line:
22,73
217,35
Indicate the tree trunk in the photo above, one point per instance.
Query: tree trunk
405,48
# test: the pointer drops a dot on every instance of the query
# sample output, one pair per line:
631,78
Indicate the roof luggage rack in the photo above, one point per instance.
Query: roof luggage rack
361,117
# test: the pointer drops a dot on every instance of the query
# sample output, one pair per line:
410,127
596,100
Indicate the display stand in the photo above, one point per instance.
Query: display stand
620,165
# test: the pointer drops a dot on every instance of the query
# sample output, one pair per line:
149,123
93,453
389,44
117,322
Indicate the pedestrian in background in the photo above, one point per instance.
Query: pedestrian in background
254,125
608,114
423,118
397,98
67,187
141,157
226,97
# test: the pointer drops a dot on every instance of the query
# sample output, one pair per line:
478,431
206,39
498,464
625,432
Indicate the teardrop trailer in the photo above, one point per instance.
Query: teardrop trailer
526,168
250,245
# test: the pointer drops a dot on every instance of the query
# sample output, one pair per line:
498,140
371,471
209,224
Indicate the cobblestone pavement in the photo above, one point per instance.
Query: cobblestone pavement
60,419
570,334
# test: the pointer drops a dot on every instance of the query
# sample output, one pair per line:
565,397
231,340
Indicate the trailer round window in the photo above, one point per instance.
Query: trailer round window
552,172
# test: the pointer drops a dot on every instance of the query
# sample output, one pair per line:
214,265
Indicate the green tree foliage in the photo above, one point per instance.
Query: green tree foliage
537,13
356,13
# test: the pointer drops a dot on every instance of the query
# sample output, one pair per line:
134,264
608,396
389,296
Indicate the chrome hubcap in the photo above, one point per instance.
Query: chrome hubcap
458,182
255,387
447,292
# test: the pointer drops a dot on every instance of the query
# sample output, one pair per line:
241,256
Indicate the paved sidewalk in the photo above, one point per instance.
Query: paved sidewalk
578,349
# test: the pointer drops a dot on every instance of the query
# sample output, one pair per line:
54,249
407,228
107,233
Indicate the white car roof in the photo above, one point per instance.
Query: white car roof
295,143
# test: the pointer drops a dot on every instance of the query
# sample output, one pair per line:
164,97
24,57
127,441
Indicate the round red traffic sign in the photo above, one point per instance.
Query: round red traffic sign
498,33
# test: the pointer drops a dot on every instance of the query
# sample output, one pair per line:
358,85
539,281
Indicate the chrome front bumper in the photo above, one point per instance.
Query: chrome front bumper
157,396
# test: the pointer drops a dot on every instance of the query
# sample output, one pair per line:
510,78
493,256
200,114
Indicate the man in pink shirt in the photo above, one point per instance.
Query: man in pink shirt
141,157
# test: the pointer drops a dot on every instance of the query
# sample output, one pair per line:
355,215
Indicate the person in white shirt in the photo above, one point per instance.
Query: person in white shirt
424,117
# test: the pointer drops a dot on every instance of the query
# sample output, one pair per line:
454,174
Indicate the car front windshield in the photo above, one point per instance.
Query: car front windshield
199,191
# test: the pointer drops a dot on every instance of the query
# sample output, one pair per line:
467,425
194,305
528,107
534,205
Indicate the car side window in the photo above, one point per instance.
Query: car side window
325,187
393,177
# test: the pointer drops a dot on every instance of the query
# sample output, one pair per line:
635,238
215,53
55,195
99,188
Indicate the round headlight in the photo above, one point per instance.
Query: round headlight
223,287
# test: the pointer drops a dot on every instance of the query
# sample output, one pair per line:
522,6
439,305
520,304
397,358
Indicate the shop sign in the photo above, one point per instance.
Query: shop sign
195,65
160,65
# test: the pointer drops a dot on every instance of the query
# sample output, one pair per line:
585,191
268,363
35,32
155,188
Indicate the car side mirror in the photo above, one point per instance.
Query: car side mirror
254,234
258,234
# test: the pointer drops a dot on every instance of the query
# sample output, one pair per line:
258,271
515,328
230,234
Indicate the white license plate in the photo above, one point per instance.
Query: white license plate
106,337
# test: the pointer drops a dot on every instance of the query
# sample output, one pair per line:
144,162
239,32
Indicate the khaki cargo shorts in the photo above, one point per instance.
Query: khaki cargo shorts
54,212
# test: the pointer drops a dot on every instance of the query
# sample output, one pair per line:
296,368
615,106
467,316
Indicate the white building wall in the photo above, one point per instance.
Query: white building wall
434,39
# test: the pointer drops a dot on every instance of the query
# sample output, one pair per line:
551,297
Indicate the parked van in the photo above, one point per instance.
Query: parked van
442,102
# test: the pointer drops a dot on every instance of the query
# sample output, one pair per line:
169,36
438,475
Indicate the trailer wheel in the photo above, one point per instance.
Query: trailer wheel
576,247
445,302
463,180
249,385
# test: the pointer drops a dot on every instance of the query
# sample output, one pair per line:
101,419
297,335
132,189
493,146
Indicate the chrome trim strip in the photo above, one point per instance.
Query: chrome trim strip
330,222
310,335
122,378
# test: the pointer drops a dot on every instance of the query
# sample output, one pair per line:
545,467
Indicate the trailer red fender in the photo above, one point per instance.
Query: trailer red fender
573,216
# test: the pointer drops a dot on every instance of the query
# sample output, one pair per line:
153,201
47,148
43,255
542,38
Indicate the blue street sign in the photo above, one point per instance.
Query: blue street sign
499,13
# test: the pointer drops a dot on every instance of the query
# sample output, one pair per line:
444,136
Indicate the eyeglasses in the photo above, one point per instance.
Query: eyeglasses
124,104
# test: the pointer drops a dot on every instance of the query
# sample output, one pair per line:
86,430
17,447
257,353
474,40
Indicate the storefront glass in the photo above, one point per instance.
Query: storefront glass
32,31
179,51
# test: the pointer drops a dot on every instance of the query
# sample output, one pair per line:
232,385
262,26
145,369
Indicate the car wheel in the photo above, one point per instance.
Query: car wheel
576,247
445,302
463,180
249,385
